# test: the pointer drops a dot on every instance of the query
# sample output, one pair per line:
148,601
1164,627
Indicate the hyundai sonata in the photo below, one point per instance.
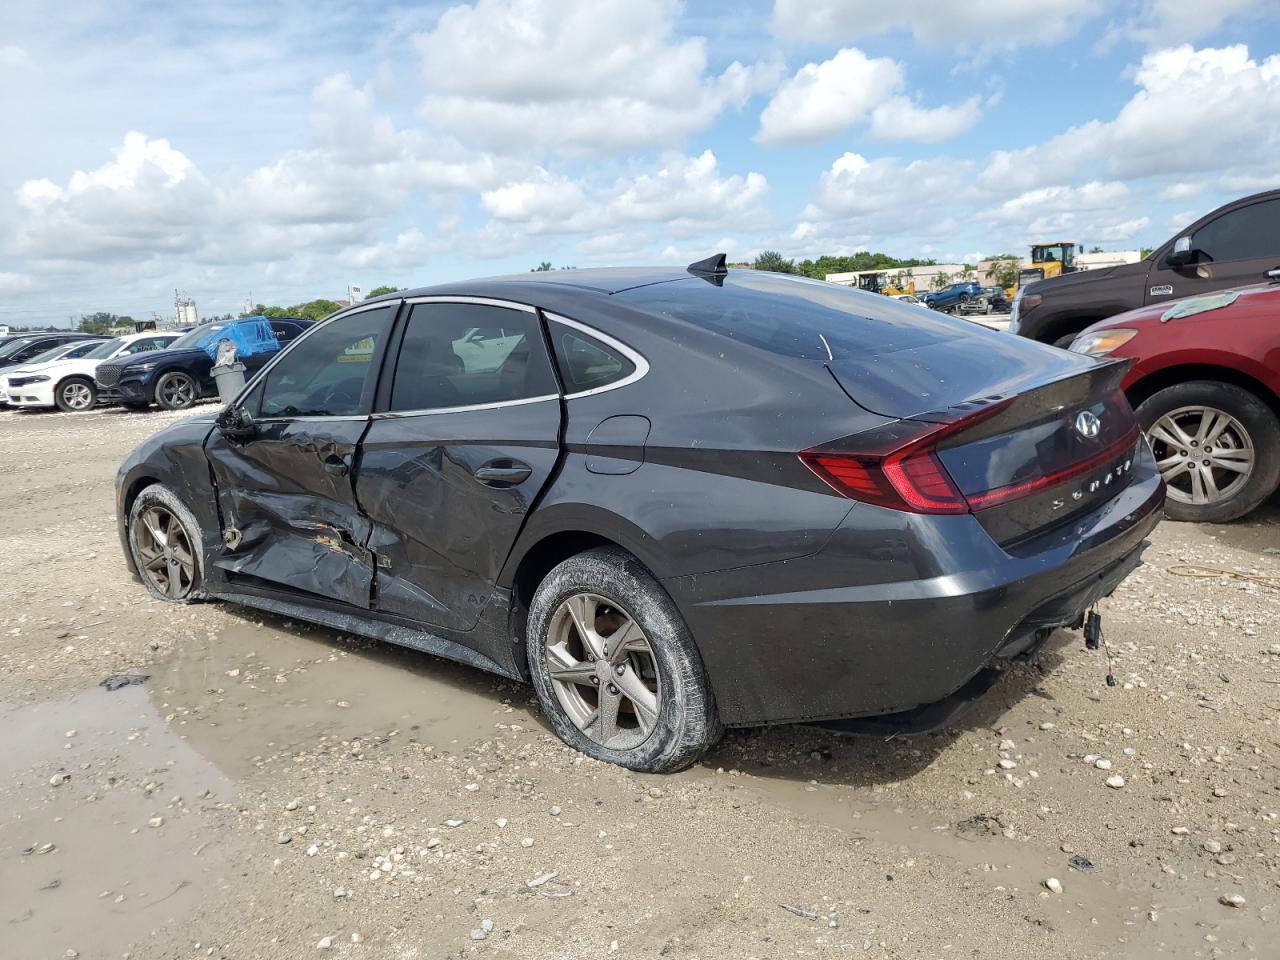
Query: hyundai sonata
672,500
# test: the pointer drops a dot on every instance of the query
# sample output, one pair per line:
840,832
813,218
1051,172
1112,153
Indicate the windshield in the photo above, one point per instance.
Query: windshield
193,336
53,353
13,346
104,350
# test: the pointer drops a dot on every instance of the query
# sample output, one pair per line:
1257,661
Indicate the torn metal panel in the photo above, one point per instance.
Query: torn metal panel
289,514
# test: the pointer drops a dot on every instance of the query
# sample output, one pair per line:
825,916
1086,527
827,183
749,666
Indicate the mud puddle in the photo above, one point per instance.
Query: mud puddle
107,826
271,687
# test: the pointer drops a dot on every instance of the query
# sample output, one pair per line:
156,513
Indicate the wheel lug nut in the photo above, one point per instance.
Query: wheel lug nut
595,681
613,690
1206,463
619,669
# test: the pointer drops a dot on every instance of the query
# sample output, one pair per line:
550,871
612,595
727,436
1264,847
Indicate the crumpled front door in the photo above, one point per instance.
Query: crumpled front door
289,513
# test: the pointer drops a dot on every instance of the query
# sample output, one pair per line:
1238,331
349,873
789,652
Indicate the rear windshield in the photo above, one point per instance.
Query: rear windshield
808,319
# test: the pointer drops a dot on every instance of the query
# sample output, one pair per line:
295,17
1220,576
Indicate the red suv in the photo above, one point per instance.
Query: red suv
1205,383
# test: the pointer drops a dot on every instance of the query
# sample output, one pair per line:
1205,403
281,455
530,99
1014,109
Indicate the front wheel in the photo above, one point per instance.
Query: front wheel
1217,447
165,543
615,668
75,395
176,391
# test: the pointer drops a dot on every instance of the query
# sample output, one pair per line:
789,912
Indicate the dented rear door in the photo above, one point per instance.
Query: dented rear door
286,494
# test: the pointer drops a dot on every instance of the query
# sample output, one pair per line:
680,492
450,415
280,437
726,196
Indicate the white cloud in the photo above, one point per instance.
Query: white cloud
1195,111
1180,191
854,186
901,119
1165,23
410,248
987,24
15,281
823,99
685,194
573,77
13,56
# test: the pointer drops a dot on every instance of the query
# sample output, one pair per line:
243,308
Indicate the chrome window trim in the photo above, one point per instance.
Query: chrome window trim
641,364
485,301
261,374
397,414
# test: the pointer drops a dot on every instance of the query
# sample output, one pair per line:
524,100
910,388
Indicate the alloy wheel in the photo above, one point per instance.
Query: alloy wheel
1205,455
603,671
168,559
77,396
177,391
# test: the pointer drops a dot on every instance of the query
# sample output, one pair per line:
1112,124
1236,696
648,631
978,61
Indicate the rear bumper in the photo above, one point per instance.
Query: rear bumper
937,602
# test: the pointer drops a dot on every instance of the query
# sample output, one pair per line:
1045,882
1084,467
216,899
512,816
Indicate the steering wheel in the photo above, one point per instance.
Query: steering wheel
345,394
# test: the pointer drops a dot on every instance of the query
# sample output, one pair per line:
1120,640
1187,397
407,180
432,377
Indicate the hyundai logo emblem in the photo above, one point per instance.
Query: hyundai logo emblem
1087,423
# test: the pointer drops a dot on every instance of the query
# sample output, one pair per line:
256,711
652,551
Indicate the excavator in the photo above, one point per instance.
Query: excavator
886,282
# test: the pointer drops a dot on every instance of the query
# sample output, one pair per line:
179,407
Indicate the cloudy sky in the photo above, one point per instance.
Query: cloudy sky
282,150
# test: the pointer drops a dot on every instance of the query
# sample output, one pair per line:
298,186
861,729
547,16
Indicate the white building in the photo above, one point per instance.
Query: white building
184,311
1099,261
355,294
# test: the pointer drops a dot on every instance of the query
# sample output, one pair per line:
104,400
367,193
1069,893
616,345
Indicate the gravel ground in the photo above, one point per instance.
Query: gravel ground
279,790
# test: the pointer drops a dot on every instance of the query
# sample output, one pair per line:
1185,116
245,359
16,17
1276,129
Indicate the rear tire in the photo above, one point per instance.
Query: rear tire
1247,434
75,395
673,721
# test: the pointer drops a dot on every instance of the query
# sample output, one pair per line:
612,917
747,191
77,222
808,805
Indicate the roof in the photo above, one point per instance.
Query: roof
605,280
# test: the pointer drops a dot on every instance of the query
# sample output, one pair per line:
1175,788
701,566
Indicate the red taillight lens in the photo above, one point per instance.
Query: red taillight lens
905,473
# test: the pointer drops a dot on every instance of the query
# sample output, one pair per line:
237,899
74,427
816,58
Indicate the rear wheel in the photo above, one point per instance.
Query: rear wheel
164,540
75,395
1217,447
176,391
615,668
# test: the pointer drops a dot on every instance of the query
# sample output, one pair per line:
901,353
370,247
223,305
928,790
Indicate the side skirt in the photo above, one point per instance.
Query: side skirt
372,628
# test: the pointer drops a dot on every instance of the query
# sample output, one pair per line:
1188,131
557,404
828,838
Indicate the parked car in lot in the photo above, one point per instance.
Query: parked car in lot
1205,381
64,351
182,374
18,350
673,500
68,384
1236,244
997,299
953,295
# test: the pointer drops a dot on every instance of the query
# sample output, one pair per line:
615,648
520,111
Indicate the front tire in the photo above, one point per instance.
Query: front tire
1217,446
75,395
176,391
615,667
165,543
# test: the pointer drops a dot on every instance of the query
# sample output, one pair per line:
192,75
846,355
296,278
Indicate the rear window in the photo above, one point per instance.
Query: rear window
809,319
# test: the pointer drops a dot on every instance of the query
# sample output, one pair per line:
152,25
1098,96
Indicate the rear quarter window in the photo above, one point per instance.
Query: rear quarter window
585,362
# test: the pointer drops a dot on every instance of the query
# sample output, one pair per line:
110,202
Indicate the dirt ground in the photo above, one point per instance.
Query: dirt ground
276,790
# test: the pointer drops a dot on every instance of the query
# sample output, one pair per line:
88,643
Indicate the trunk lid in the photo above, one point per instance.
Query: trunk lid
1052,436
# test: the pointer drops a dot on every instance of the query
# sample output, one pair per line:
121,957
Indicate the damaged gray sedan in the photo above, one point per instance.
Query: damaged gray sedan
673,500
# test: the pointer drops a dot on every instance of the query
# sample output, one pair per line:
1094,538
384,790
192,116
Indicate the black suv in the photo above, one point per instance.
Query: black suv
1234,245
182,373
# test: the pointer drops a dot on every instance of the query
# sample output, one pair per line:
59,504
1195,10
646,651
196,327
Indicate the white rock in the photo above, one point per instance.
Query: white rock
527,842
1115,782
325,943
501,822
555,810
1232,900
1008,745
1102,763
1006,764
1212,846
1053,885
156,822
1180,831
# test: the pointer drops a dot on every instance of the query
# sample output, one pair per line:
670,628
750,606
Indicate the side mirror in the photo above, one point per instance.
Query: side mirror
236,424
1181,254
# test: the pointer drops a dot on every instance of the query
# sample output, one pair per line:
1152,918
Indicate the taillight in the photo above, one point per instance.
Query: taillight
904,472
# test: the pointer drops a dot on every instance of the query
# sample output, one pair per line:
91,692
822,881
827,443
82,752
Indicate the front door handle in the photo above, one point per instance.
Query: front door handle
335,465
503,473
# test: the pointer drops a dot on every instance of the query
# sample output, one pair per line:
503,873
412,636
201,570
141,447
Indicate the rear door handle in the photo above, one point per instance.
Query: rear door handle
335,465
503,473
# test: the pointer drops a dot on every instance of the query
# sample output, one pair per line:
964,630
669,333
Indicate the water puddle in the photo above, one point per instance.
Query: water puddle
272,687
122,845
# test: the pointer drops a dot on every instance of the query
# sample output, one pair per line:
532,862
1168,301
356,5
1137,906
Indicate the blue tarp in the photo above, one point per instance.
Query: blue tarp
251,336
